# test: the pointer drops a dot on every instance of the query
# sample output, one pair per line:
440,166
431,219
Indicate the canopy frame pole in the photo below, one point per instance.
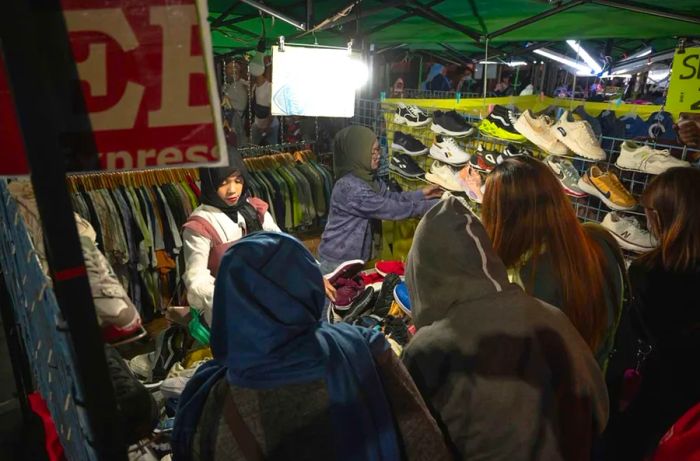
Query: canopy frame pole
537,17
485,73
227,12
398,19
645,9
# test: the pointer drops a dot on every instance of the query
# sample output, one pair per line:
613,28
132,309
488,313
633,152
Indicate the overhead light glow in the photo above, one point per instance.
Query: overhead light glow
585,56
564,60
516,63
488,62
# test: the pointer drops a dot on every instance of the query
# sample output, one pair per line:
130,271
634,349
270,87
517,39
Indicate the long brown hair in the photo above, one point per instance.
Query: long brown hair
524,211
672,203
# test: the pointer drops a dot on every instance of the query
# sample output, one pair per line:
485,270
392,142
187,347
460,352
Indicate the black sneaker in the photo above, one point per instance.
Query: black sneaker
396,329
410,115
171,347
386,295
408,144
359,306
450,124
513,150
405,166
484,160
135,404
500,123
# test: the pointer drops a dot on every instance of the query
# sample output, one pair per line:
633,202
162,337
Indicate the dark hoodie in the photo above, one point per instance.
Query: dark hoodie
507,377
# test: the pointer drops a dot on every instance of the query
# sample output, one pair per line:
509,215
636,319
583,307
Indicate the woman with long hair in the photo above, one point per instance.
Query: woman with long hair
550,254
665,286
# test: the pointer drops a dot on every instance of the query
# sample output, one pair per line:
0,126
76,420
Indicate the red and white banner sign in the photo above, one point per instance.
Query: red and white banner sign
147,76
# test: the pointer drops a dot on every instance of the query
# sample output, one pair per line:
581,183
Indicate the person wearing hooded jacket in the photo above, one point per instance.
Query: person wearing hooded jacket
360,200
284,385
227,213
437,80
507,376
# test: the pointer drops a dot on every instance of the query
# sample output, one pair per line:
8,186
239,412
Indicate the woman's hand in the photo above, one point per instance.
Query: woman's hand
330,291
432,192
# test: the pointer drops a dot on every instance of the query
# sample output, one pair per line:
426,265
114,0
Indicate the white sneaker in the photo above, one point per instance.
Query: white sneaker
538,130
443,176
447,150
578,136
411,115
640,157
629,233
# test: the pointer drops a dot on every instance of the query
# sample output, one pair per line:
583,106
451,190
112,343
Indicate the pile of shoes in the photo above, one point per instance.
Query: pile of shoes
372,299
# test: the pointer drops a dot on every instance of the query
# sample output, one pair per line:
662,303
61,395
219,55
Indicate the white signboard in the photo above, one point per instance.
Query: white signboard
317,82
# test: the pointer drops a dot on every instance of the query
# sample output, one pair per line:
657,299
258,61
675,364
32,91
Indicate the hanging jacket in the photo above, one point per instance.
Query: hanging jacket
508,377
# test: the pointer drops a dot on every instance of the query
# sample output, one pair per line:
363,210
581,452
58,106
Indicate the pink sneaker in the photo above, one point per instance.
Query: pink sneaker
470,180
390,267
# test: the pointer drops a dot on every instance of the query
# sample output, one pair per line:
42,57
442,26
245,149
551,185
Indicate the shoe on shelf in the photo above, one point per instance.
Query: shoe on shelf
483,160
538,130
567,175
402,298
408,144
404,166
450,124
513,150
640,157
443,176
447,150
578,136
385,296
410,115
628,233
116,314
471,183
385,268
500,123
607,187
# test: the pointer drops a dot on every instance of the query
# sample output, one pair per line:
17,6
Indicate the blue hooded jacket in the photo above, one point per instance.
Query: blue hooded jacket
267,333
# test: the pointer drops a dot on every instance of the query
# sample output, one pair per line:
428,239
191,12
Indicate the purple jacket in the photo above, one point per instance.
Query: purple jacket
353,204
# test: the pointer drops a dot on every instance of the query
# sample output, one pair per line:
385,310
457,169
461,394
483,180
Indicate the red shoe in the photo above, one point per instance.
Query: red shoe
371,279
390,267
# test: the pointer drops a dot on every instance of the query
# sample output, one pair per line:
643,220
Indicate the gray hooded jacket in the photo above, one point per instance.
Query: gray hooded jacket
506,376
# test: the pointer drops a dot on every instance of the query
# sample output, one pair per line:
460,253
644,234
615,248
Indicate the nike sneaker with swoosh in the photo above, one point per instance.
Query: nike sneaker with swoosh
607,187
567,175
500,123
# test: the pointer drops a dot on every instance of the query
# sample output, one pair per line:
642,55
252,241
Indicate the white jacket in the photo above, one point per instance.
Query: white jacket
198,279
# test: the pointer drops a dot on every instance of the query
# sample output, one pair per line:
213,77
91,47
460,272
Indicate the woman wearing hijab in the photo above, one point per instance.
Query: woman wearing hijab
437,81
284,385
360,200
227,213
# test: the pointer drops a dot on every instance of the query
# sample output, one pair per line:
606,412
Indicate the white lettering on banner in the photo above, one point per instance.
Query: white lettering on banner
113,23
125,160
177,22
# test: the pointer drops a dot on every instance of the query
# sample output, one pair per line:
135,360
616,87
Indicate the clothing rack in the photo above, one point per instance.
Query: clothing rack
255,151
111,179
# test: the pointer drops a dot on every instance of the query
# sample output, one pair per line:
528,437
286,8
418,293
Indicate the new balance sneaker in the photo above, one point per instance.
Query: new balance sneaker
538,130
567,175
407,144
628,233
116,314
450,124
500,123
608,188
410,115
443,176
447,150
484,160
404,165
385,297
471,183
402,298
578,136
640,157
385,268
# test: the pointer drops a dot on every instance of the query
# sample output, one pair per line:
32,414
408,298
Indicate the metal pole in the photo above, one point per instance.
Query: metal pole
638,8
544,71
535,18
486,60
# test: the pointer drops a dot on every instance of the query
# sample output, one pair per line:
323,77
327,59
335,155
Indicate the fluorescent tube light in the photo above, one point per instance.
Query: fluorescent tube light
585,56
564,60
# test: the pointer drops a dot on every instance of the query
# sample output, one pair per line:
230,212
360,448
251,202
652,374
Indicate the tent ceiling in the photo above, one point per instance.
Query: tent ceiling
463,25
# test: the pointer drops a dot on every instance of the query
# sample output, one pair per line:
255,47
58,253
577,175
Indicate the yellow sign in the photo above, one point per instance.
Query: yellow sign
684,89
